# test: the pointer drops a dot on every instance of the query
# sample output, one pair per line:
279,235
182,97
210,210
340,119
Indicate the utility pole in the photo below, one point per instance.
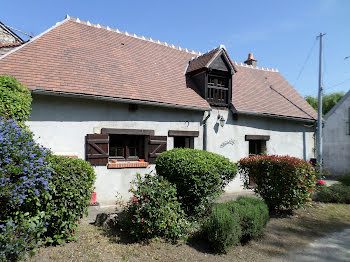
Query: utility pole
319,118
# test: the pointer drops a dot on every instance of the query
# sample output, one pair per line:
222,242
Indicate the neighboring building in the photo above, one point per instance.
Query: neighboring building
336,137
114,98
8,39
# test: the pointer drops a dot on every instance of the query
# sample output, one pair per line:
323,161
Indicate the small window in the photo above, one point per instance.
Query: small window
218,91
257,147
183,142
127,147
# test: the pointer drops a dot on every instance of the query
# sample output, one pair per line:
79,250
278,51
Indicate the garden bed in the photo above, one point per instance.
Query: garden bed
280,236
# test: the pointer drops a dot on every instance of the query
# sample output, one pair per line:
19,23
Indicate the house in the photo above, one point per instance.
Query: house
118,100
8,39
336,137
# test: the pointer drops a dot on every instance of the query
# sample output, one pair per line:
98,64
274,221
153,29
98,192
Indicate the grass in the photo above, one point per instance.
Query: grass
280,236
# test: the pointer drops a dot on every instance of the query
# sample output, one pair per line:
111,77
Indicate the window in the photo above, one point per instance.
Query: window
218,91
183,142
119,148
257,147
126,147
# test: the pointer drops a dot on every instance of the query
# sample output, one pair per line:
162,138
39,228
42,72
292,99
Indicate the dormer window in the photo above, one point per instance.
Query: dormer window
210,75
218,90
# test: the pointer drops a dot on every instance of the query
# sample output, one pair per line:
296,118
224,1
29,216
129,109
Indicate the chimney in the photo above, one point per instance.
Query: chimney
251,60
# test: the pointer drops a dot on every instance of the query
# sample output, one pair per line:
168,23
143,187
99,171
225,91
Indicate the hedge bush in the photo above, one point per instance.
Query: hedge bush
24,187
336,193
284,182
344,179
253,214
15,99
153,211
199,176
72,184
222,228
235,222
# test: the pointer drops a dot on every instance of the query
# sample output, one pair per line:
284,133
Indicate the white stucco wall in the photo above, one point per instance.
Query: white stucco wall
287,137
61,124
336,140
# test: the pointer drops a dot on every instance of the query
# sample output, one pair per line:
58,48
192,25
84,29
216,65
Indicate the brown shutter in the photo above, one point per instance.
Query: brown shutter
157,145
97,146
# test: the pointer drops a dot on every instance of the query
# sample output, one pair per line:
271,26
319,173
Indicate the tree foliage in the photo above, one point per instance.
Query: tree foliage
15,99
328,101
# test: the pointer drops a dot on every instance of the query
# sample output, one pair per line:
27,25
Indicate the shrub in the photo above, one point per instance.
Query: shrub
253,214
153,211
285,183
222,228
15,99
336,193
233,222
72,185
344,179
199,176
24,186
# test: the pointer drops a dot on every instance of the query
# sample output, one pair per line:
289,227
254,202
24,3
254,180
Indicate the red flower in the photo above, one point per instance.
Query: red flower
320,182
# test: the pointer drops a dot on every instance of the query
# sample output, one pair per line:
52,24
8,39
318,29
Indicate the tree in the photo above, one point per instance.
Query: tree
328,101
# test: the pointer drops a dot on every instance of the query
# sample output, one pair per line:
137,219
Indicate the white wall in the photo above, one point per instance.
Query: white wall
287,137
336,140
61,124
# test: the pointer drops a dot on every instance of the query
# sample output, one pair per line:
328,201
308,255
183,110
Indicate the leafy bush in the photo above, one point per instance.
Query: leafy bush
284,182
15,99
24,186
233,222
199,176
344,179
336,193
153,210
222,228
253,214
72,185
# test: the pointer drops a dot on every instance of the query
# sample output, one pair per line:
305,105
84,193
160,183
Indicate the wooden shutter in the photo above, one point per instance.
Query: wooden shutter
157,145
97,149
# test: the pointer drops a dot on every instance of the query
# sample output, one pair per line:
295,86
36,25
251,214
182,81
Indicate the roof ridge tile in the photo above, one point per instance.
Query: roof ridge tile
77,20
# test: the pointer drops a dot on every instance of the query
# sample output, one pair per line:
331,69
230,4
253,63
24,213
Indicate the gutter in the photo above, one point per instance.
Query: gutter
205,130
274,116
116,99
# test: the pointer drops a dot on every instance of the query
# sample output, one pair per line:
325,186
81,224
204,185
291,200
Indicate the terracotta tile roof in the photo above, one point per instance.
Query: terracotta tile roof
82,58
77,58
267,92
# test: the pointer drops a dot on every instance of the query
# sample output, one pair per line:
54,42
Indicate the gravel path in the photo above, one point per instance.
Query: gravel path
334,247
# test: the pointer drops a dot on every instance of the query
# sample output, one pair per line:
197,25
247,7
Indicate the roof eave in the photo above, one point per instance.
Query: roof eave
274,116
117,99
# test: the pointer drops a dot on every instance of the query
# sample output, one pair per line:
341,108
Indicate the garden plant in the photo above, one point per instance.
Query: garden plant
199,176
285,183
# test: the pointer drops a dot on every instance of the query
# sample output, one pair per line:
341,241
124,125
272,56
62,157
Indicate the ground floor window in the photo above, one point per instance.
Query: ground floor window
257,147
183,142
126,147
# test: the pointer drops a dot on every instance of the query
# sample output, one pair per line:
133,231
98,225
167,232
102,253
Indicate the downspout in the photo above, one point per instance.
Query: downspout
205,131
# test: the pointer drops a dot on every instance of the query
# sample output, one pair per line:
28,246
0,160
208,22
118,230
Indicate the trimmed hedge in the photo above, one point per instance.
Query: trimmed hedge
15,99
72,185
222,228
153,211
24,187
199,176
235,222
284,182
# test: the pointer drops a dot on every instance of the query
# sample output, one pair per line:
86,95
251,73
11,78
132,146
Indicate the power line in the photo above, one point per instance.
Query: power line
31,36
306,60
338,84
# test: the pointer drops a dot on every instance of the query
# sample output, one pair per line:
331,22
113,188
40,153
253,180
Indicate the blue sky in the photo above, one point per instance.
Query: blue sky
279,33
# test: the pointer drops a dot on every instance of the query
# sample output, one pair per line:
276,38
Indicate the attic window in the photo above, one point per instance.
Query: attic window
218,90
